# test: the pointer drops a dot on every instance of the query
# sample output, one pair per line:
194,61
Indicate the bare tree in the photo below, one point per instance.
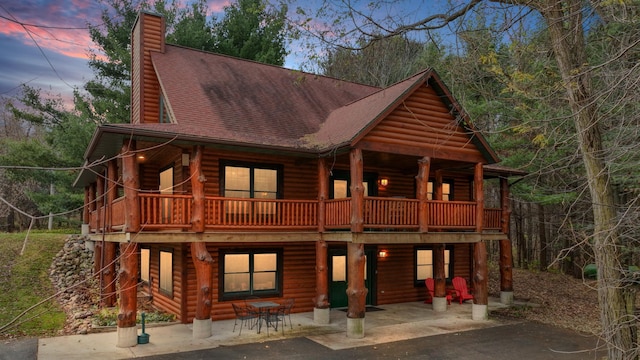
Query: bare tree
565,21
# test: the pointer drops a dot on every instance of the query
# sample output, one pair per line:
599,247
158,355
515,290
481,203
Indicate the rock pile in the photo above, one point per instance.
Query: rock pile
71,274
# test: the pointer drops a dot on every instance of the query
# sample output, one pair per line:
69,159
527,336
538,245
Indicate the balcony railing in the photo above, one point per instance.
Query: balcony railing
173,212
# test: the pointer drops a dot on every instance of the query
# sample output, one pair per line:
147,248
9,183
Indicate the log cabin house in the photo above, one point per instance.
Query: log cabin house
236,179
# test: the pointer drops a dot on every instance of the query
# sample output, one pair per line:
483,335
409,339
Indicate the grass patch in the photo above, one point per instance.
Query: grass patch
24,282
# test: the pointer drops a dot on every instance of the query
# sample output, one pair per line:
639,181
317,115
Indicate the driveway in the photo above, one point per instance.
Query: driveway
523,341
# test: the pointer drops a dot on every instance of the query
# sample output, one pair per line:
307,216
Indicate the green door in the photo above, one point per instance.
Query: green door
338,277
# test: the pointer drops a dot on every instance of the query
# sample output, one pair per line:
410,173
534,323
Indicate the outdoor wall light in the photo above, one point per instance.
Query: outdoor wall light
383,253
384,182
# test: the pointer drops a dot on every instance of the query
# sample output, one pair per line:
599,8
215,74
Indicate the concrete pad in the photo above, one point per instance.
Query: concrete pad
395,322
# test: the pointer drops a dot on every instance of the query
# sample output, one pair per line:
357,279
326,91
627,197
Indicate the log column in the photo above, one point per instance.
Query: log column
201,257
506,255
203,263
109,249
100,202
86,211
422,193
481,270
321,308
357,191
109,274
356,291
439,302
128,281
131,183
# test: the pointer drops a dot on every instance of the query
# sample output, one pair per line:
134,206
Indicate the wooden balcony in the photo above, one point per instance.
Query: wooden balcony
160,212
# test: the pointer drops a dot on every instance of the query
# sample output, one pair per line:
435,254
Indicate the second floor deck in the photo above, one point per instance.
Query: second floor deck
162,212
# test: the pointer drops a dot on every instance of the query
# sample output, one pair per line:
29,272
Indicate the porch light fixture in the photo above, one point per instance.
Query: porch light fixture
185,159
141,157
382,253
384,182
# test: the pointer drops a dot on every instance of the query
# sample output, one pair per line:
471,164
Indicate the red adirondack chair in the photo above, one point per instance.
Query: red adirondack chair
460,286
430,284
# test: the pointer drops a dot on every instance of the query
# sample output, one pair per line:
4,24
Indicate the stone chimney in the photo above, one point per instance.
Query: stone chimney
147,36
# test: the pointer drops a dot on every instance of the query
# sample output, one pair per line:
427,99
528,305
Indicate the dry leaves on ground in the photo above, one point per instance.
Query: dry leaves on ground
556,299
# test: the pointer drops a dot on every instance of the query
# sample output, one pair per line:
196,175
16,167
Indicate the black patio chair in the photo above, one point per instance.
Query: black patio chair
244,314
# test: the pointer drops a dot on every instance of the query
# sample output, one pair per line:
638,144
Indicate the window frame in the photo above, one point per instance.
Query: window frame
420,282
161,290
148,270
445,181
236,295
252,166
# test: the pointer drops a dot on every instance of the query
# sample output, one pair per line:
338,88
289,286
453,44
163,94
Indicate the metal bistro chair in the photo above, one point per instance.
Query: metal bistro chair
245,315
288,305
275,316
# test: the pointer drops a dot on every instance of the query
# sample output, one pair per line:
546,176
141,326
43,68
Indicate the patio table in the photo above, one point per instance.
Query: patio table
264,308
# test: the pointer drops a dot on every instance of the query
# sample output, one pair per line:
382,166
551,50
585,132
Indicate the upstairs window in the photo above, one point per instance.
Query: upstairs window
251,181
446,190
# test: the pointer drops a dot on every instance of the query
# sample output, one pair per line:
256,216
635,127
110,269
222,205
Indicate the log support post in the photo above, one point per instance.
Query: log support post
357,191
506,255
131,183
356,291
422,180
323,192
439,302
128,281
202,260
197,189
480,309
86,211
111,192
109,275
100,202
203,263
478,178
321,308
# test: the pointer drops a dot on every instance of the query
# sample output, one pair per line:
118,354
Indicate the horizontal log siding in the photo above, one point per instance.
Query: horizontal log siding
171,304
396,276
154,38
136,68
393,288
423,121
300,175
299,282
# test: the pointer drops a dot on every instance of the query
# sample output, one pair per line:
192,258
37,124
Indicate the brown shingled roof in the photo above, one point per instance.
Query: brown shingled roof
233,100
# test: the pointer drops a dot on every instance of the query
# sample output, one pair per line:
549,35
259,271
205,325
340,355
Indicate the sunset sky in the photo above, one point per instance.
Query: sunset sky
45,43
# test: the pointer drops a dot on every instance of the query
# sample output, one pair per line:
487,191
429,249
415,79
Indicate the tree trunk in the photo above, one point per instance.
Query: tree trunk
566,31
